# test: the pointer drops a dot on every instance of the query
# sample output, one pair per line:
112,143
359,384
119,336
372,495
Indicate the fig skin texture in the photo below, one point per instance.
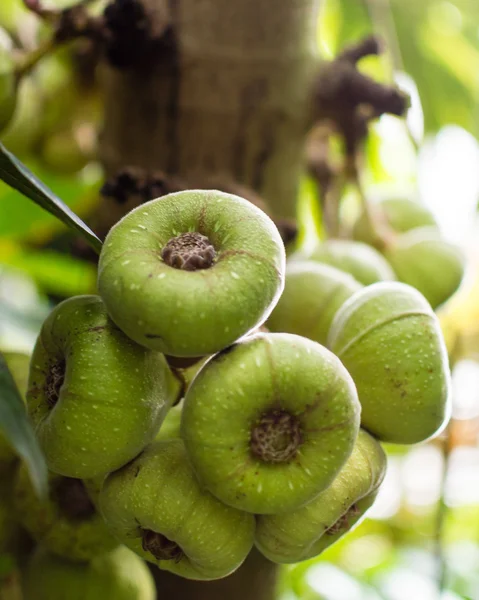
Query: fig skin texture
390,340
117,575
423,259
399,214
312,295
361,261
95,397
18,364
156,507
277,437
192,312
67,523
307,531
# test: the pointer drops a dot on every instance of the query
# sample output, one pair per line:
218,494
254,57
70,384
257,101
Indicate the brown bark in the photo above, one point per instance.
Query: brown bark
229,97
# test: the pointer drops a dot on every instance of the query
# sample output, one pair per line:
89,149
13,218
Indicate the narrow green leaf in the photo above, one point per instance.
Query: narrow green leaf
16,427
14,173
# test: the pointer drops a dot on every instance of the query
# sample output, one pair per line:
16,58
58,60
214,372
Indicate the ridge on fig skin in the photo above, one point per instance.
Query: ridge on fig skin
280,435
307,531
390,340
67,522
156,507
191,313
96,398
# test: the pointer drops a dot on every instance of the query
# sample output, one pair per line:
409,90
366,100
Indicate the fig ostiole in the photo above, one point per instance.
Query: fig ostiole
390,340
307,531
155,506
191,272
277,437
423,259
96,398
361,261
116,575
312,295
67,522
397,214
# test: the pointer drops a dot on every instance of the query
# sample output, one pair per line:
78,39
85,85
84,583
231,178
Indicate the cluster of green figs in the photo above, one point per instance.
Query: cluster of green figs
215,396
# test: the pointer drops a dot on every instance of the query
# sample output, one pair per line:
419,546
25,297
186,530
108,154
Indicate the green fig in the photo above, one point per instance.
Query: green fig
67,522
423,259
8,87
191,272
390,340
269,422
95,397
312,295
117,575
156,507
307,531
68,151
170,428
361,261
397,214
18,364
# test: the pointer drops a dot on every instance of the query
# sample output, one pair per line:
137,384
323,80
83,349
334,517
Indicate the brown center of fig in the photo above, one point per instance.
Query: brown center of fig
54,382
189,251
342,524
277,437
160,546
72,498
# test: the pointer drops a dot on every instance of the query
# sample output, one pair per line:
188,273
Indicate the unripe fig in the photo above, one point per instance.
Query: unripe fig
312,295
191,272
361,261
397,214
8,87
117,575
307,531
389,339
67,523
18,364
96,398
277,437
67,151
170,428
156,507
423,259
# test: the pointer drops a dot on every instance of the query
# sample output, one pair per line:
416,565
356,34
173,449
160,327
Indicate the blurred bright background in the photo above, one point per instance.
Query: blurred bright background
421,540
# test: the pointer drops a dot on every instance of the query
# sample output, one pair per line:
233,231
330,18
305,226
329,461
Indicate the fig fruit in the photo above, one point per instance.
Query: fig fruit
156,507
191,272
18,364
67,522
269,422
307,531
8,87
398,214
312,295
361,261
390,340
117,575
95,397
429,263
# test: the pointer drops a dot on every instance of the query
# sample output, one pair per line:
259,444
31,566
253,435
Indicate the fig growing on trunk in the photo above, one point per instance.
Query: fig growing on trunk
307,531
191,272
423,259
67,523
117,575
397,214
156,507
96,398
269,422
389,339
312,295
361,261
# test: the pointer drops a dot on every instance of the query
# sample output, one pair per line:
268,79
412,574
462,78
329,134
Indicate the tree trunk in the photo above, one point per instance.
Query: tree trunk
230,97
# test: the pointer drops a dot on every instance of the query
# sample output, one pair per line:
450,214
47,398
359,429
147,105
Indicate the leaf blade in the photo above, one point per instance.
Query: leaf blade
15,426
15,174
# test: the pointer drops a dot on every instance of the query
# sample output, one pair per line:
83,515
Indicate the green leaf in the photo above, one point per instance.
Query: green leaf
18,176
16,427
